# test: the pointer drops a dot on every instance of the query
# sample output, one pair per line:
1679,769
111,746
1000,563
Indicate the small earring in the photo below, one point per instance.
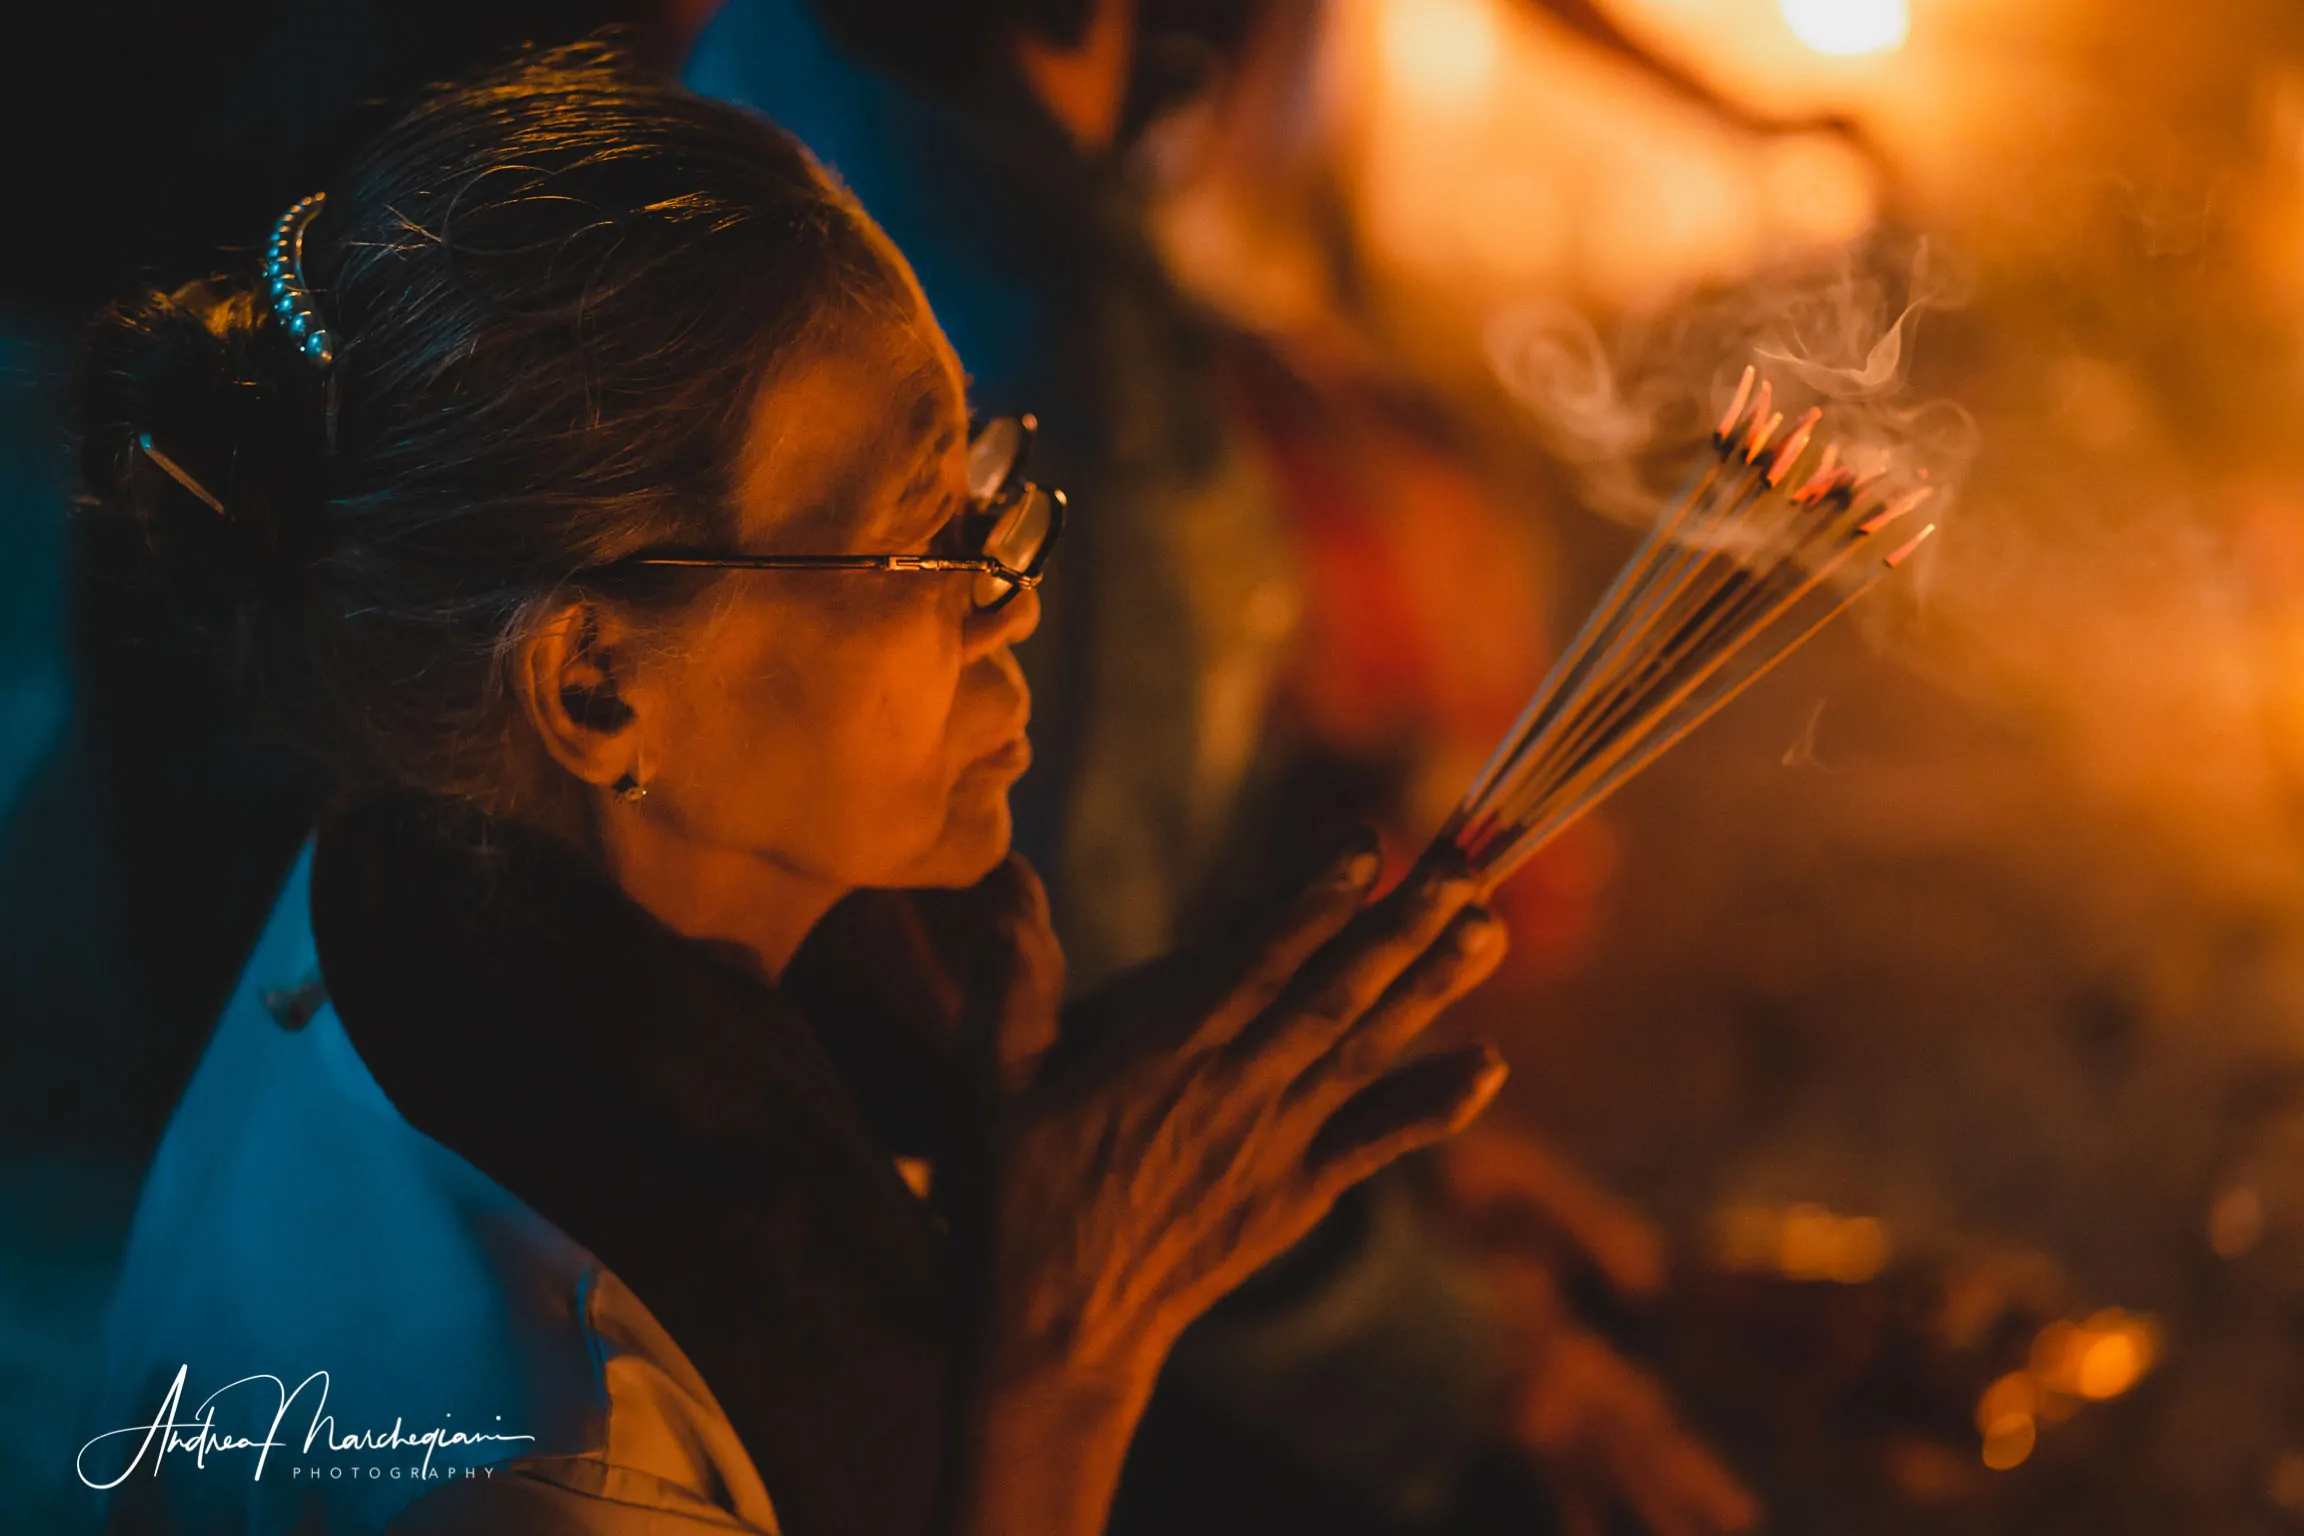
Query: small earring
629,788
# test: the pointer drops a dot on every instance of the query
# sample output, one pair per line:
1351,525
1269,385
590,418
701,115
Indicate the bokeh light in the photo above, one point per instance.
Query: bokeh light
2236,1222
1443,51
2111,1363
2098,1359
1805,1242
2009,1441
1844,28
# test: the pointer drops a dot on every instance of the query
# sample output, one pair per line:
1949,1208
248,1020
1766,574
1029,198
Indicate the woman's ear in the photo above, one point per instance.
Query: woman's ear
573,675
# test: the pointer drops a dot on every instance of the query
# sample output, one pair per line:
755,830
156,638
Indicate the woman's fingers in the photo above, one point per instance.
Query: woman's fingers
1315,916
1354,970
1468,950
1411,1107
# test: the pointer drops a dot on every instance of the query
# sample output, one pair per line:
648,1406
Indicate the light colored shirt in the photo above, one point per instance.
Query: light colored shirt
451,1363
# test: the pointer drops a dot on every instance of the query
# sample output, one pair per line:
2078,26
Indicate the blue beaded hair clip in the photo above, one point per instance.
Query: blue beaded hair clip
292,305
291,302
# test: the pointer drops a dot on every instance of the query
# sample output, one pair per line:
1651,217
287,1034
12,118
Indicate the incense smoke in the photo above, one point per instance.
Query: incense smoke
1624,411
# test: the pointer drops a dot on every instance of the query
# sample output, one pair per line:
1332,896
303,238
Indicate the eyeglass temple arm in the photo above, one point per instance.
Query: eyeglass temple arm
982,565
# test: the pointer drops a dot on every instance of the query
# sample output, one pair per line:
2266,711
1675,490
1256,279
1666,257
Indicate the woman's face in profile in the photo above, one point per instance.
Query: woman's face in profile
858,727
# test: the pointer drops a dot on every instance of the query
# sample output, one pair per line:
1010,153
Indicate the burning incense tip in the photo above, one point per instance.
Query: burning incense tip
1727,427
1897,509
1733,576
1760,437
1827,469
1917,540
1756,422
1794,446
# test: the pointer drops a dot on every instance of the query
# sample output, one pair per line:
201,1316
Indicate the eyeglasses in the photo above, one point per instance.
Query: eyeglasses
1011,527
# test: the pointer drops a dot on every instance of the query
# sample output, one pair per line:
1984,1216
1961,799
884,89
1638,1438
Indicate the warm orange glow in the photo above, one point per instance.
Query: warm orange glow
2112,1363
1806,1242
2009,1441
2015,1395
1443,52
2052,1348
2287,1482
2098,1359
2236,1222
1494,161
1816,189
2114,301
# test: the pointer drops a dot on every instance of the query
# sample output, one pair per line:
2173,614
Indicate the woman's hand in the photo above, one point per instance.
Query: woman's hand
1224,1101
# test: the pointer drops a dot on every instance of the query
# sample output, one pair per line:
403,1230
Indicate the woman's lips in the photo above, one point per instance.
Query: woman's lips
1012,756
1014,753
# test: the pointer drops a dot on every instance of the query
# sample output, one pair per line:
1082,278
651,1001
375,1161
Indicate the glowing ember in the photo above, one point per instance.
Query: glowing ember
1794,446
1847,27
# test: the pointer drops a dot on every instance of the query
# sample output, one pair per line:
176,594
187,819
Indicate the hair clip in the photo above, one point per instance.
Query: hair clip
291,302
179,474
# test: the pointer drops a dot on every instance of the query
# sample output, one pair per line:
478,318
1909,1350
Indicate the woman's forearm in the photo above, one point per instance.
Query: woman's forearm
1042,1452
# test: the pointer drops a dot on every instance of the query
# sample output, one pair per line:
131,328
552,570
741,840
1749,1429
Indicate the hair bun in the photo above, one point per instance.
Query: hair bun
233,470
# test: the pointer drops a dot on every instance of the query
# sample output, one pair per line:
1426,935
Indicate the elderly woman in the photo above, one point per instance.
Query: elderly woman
650,1106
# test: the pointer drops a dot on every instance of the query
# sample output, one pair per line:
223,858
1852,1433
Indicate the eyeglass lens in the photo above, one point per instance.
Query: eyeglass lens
992,455
1016,541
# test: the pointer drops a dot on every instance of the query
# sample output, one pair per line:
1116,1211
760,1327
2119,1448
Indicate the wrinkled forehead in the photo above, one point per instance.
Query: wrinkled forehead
863,422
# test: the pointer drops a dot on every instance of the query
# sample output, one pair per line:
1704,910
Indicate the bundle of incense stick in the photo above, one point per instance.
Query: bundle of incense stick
1732,578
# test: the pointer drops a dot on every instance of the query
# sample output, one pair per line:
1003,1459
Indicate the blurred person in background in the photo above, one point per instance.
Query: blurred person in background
1241,658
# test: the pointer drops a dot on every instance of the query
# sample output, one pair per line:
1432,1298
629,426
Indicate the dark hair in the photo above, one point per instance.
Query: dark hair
554,291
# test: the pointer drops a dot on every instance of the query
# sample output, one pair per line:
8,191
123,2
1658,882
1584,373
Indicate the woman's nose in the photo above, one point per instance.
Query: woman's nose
1009,624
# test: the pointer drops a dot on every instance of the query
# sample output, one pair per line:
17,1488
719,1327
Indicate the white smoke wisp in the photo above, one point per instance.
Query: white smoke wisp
1625,411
